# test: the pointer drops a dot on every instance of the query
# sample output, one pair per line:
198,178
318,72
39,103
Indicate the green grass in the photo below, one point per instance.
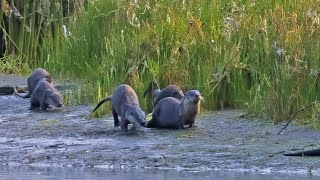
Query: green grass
267,51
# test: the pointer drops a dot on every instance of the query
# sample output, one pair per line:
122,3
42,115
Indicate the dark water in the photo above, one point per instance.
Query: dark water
37,173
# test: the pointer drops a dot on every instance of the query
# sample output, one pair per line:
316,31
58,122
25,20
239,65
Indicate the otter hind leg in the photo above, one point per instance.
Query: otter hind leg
34,105
115,117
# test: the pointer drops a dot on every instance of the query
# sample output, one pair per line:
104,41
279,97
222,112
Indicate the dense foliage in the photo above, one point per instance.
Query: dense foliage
263,56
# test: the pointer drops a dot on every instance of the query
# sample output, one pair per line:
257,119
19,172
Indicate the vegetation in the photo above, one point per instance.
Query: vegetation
263,56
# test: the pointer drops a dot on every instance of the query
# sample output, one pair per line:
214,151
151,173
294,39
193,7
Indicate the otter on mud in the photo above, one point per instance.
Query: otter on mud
125,103
175,114
36,76
45,95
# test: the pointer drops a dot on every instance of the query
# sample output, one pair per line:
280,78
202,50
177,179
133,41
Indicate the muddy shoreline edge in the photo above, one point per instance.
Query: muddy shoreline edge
221,141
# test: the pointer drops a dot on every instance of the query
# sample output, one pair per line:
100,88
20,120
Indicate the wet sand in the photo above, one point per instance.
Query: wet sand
70,137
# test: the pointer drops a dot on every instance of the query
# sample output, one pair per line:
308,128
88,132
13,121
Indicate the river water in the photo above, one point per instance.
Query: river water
46,173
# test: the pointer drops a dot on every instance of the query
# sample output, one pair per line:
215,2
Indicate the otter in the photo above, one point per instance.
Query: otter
157,94
36,76
45,95
125,103
172,113
169,91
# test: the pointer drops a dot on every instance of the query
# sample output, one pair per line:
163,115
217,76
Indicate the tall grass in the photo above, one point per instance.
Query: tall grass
258,55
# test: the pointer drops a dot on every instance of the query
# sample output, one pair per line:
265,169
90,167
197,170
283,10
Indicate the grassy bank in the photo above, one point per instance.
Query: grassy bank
258,55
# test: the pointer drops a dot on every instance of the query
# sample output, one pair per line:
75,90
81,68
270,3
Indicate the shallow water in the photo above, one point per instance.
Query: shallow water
37,173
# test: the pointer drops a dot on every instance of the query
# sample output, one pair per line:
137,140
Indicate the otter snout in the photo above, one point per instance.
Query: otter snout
197,98
193,96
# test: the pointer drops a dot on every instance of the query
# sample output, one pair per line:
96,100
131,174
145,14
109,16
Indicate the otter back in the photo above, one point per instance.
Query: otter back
36,76
169,91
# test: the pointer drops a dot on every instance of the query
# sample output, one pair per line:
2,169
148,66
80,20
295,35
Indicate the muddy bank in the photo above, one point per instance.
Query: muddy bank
221,141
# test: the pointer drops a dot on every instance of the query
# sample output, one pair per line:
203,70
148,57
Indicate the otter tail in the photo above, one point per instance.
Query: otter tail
101,102
17,94
148,90
151,87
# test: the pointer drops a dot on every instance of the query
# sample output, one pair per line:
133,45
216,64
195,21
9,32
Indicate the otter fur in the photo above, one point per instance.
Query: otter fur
125,103
36,76
45,95
172,113
169,91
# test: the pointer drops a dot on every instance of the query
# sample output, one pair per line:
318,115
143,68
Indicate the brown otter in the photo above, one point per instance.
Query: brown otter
36,76
169,91
155,95
45,95
125,103
175,114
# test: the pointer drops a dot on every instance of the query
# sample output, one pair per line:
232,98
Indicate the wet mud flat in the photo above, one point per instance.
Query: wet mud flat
70,137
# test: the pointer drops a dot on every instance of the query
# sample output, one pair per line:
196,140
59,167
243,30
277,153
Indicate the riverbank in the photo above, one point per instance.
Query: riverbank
222,140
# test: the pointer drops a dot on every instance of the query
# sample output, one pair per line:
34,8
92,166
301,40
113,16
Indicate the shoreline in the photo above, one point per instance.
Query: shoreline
221,141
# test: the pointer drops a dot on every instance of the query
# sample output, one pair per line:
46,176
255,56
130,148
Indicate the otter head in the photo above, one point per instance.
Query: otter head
136,116
193,96
191,103
55,99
